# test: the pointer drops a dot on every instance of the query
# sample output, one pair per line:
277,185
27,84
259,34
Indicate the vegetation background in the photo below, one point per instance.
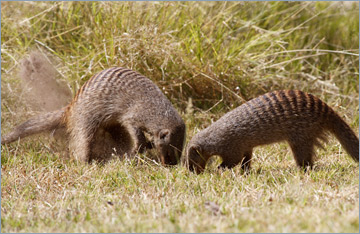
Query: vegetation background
208,58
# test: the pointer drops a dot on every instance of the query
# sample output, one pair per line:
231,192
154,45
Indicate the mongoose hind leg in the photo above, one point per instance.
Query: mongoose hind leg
232,161
80,145
303,150
82,134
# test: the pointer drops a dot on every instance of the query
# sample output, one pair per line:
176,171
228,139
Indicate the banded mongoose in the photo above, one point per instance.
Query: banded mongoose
299,118
114,107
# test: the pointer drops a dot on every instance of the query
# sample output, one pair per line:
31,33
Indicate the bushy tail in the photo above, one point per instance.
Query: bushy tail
345,135
45,122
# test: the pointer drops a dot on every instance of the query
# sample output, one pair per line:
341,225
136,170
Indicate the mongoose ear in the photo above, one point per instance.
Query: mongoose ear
164,135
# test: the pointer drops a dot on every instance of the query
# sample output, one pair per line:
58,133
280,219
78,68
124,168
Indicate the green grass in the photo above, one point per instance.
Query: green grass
219,54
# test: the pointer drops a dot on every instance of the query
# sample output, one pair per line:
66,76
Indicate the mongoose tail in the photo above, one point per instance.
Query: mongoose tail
345,135
41,123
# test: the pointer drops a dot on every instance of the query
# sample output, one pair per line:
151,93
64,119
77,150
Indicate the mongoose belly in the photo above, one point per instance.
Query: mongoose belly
294,116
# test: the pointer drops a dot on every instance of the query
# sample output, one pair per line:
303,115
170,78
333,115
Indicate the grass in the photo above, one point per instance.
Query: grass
41,193
219,54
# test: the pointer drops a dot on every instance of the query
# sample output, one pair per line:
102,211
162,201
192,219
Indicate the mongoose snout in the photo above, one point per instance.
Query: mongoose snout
299,118
170,144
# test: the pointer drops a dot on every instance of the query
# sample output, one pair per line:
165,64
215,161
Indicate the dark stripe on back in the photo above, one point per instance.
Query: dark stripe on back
133,82
267,109
271,106
285,102
119,77
124,73
78,93
100,74
311,104
301,100
98,80
250,105
261,112
325,109
292,96
255,110
82,88
246,108
277,103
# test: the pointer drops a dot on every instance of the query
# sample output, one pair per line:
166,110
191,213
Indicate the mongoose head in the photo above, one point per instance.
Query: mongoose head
196,159
169,143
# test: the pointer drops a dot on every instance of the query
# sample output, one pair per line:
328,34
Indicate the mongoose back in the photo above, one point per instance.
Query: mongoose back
299,118
114,107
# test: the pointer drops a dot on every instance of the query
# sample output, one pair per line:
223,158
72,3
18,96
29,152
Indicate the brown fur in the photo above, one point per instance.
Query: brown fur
109,114
299,118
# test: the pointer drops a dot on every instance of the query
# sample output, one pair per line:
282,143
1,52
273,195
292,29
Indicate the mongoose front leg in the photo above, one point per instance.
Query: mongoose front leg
303,150
138,139
80,142
230,161
143,144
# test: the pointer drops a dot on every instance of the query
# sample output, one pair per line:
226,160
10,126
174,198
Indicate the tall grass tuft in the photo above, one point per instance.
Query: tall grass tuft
210,51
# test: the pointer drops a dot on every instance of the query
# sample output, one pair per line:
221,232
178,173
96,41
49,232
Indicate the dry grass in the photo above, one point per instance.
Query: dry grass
41,193
217,53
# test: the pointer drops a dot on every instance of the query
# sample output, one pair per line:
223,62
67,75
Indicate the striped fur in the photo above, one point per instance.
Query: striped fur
109,114
299,118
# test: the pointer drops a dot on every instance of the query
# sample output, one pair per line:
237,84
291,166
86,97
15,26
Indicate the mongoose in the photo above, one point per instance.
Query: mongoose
299,118
112,110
